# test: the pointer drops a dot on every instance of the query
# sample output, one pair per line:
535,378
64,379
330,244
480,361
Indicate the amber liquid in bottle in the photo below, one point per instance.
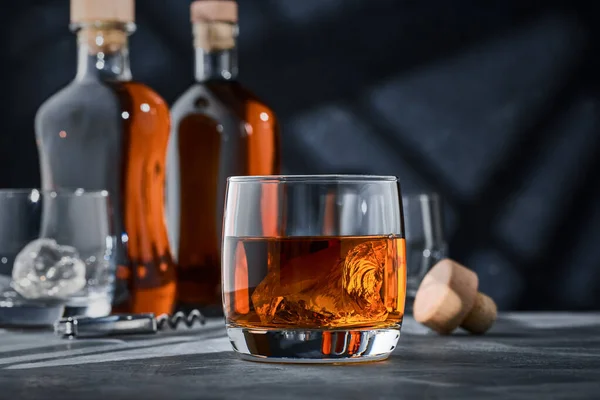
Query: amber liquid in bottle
314,282
105,132
220,129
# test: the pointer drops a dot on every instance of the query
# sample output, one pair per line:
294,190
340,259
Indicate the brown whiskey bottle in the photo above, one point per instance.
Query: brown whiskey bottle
104,131
219,129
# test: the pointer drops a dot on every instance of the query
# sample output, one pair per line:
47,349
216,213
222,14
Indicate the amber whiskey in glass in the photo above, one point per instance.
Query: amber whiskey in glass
315,282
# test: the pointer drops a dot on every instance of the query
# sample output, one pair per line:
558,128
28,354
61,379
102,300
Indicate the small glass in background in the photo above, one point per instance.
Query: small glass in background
425,242
55,256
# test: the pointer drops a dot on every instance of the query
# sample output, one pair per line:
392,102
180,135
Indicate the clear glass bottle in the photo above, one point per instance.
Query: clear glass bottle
104,131
219,129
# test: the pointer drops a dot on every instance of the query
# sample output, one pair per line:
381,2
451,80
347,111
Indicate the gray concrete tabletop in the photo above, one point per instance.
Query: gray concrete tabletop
525,355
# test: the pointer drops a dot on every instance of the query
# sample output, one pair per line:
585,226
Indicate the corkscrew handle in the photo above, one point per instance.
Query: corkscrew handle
112,325
124,324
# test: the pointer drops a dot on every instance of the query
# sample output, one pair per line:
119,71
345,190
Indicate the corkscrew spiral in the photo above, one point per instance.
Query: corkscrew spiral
194,317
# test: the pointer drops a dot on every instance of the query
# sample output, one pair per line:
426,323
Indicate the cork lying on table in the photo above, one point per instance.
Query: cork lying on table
448,298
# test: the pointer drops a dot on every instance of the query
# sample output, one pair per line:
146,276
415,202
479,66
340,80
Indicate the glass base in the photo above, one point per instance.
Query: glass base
99,307
314,346
30,315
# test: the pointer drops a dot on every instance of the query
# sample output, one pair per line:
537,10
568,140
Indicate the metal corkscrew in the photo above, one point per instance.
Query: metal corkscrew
173,321
125,324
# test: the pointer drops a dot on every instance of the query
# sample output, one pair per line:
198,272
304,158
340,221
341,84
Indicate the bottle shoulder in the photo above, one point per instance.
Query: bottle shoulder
82,93
254,104
82,104
76,98
72,93
141,92
227,94
189,96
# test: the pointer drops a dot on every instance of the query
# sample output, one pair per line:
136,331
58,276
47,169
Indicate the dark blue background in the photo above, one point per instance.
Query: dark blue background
493,104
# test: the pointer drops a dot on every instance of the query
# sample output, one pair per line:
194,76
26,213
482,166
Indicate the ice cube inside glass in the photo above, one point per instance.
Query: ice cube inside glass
56,247
314,267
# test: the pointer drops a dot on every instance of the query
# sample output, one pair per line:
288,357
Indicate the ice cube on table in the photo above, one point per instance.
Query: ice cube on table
45,269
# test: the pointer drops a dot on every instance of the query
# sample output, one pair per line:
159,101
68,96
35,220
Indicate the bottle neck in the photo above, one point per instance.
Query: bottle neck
216,52
216,65
103,52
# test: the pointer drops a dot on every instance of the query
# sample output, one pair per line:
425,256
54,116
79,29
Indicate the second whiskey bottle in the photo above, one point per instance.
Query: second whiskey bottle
219,129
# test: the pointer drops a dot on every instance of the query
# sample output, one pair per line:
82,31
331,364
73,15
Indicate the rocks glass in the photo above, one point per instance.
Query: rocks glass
314,267
55,254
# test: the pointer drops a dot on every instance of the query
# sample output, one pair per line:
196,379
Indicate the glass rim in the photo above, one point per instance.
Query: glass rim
422,196
327,178
65,193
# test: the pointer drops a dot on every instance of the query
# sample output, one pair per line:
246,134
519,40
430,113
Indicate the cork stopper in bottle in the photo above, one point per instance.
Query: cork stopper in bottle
214,11
214,36
102,10
214,22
